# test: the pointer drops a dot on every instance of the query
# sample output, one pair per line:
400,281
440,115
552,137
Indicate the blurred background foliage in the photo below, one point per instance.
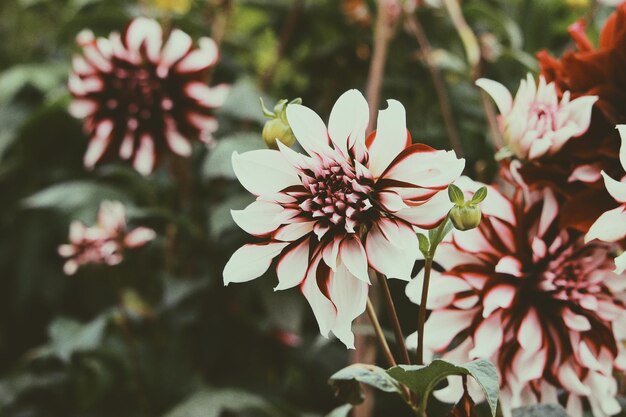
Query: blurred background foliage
159,335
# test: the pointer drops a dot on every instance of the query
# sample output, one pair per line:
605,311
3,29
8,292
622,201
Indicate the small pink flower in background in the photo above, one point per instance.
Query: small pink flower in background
349,205
535,123
546,308
611,226
142,94
105,242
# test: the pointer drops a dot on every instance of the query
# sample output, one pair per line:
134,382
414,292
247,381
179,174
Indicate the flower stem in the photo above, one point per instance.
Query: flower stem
379,333
421,317
393,317
416,28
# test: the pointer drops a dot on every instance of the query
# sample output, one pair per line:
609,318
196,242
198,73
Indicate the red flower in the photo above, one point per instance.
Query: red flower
142,95
532,297
575,171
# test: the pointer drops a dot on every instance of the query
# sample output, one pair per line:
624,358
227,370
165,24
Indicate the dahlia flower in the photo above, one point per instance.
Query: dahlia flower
104,242
611,226
546,308
141,94
537,123
575,170
347,206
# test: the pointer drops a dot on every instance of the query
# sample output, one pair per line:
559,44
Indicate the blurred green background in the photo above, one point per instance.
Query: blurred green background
200,349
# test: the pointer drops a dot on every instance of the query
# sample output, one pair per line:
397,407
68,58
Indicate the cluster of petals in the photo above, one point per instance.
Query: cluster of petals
103,243
349,204
544,306
536,123
142,95
611,225
587,70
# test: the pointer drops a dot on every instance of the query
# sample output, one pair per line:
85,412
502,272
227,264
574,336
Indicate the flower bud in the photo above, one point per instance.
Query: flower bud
277,128
465,217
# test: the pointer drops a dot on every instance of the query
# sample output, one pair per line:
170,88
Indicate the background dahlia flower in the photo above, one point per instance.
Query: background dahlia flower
537,123
588,70
142,94
104,242
546,308
611,226
348,205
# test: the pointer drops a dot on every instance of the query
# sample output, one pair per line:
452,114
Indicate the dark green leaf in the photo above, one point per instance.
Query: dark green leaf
341,411
424,244
424,378
243,102
212,403
69,336
218,162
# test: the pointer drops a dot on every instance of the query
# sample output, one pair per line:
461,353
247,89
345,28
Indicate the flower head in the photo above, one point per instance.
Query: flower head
611,225
104,242
350,204
533,298
142,95
537,123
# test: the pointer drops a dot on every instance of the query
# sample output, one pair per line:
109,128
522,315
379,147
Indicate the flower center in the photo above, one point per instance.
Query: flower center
545,117
338,199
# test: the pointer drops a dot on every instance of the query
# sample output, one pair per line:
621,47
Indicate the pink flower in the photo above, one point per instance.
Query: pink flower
611,226
547,309
105,242
536,124
142,95
347,206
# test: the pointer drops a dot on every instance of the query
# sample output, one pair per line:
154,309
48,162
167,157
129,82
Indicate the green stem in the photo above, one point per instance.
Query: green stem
393,317
421,318
380,335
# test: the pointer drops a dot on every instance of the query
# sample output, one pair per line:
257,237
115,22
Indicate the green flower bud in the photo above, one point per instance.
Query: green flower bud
277,128
465,217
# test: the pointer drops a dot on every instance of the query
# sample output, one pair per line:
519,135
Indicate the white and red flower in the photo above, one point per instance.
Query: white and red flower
546,308
142,94
347,206
536,123
611,226
104,242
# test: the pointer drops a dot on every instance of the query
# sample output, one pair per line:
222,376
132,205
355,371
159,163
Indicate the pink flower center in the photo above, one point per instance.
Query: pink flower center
543,117
337,199
136,89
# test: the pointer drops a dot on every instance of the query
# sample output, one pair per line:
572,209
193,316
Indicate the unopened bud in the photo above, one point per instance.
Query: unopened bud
277,128
465,217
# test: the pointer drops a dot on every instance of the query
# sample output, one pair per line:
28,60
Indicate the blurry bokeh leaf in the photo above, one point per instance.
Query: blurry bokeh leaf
211,403
68,336
341,411
243,102
43,77
79,198
540,410
218,162
221,219
346,381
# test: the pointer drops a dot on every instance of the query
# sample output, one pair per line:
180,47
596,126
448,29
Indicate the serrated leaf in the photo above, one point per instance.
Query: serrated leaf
456,195
346,381
540,410
218,162
424,378
479,195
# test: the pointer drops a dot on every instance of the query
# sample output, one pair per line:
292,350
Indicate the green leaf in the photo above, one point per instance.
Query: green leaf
541,410
479,195
341,411
346,381
68,336
243,102
456,195
437,234
221,219
218,162
43,77
80,199
212,403
424,378
424,244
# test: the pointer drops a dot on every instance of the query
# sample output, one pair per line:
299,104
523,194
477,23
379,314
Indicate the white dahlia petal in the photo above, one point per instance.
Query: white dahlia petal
251,261
348,120
264,171
390,139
